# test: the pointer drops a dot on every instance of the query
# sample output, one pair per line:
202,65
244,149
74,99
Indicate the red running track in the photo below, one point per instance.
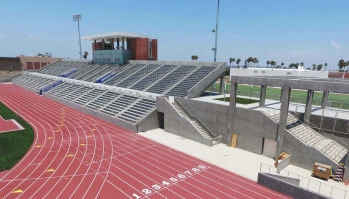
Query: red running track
75,155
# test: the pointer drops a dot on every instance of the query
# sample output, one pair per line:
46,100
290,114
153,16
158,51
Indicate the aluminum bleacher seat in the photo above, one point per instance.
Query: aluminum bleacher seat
123,74
77,93
183,87
102,100
136,112
85,98
136,76
155,76
171,79
118,105
58,88
97,73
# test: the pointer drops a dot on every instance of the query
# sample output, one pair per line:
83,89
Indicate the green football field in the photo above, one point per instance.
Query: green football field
299,96
15,144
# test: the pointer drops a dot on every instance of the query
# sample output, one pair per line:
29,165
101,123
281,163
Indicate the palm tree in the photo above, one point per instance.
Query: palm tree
296,65
341,64
268,62
273,63
231,60
238,61
282,64
314,66
255,60
325,65
250,59
302,64
196,57
85,55
319,67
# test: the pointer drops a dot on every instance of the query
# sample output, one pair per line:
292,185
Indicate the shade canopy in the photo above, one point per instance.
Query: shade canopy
115,35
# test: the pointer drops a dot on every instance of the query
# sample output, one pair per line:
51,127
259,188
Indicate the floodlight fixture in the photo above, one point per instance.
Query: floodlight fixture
78,19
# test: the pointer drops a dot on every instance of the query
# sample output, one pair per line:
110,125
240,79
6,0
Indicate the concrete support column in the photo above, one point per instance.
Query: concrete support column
281,93
324,99
95,42
123,43
285,101
103,44
262,96
222,85
232,108
308,103
117,43
112,43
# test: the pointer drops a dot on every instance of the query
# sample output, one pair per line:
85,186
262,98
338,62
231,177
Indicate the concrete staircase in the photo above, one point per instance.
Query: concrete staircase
310,137
205,133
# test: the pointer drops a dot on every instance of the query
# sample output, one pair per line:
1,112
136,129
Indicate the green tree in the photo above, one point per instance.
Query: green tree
268,62
282,64
85,55
314,65
325,66
231,60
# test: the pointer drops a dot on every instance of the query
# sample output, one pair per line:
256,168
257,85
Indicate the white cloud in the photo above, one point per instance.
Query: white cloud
336,46
31,36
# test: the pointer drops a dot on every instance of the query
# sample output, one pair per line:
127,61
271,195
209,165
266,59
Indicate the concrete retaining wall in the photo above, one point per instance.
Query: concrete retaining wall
150,122
176,124
288,189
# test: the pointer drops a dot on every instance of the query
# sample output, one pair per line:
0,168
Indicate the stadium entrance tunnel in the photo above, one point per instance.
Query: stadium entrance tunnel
161,120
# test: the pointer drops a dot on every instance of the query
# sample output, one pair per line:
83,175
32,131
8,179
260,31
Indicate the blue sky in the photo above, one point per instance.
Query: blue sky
284,31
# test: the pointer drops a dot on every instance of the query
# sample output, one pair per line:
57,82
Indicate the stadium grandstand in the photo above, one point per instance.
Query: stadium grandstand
127,93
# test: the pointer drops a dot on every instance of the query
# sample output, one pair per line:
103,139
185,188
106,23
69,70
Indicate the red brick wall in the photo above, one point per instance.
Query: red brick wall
5,62
139,48
43,64
154,49
36,65
30,66
335,74
98,46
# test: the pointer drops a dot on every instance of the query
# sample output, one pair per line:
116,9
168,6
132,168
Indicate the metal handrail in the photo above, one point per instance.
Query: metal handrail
211,133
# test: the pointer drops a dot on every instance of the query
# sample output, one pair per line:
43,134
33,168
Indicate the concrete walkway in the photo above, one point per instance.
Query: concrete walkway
245,163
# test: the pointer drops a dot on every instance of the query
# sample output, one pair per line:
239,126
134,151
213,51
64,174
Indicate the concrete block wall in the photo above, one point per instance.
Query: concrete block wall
176,124
286,188
214,116
304,156
150,122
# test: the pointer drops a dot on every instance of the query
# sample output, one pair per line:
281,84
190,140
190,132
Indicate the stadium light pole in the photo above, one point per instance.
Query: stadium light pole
215,30
78,19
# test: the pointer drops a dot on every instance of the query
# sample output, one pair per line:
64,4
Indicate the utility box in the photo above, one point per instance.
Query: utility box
322,170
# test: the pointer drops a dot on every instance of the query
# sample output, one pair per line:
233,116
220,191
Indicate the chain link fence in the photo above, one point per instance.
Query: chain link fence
307,183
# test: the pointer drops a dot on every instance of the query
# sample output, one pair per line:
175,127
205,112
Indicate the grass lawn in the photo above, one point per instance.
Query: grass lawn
239,100
298,96
14,144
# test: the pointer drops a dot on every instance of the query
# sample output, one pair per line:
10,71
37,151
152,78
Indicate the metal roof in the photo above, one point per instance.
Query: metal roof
115,35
